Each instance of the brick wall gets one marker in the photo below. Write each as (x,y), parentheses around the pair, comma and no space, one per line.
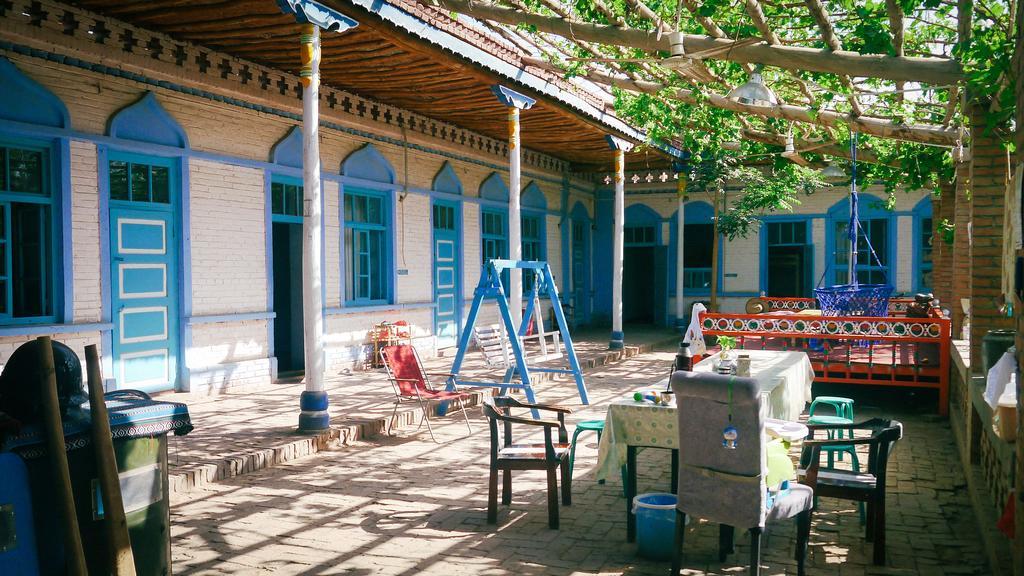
(961,279)
(942,253)
(988,192)
(85,233)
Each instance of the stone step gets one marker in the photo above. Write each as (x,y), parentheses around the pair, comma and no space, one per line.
(183,479)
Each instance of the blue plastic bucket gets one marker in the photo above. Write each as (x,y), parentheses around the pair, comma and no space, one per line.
(655,524)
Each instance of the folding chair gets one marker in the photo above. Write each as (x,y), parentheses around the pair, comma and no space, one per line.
(412,384)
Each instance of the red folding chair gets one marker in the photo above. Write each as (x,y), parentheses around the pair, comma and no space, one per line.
(412,383)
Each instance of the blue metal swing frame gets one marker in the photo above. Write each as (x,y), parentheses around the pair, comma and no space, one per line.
(490,287)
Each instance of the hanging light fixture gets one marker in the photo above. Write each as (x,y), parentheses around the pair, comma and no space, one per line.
(833,171)
(754,92)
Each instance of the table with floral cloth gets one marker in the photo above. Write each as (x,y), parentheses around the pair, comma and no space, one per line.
(785,379)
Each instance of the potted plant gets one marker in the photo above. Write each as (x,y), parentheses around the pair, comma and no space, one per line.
(726,358)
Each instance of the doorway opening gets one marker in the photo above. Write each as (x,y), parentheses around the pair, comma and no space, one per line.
(789,260)
(643,276)
(288,342)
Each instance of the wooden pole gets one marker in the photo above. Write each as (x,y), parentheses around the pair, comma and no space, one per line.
(680,268)
(56,453)
(714,255)
(313,401)
(515,102)
(619,147)
(938,71)
(119,545)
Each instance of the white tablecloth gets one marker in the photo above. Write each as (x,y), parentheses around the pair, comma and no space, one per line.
(785,379)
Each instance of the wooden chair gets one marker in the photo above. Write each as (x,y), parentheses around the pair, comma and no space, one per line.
(493,343)
(507,456)
(411,383)
(865,486)
(725,484)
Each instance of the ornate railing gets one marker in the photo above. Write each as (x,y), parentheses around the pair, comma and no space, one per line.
(890,351)
(897,306)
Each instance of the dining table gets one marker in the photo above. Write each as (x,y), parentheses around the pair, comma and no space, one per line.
(785,379)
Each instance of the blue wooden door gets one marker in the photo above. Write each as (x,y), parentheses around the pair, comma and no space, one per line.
(143,285)
(580,278)
(446,273)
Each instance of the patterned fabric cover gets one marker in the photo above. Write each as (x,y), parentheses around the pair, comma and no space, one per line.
(132,413)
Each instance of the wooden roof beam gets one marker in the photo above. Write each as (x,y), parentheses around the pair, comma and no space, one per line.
(830,148)
(828,34)
(895,13)
(646,12)
(757,16)
(928,70)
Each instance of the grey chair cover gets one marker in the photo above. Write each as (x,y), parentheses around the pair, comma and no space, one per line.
(716,483)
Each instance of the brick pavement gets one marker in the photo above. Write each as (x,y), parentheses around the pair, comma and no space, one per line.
(240,431)
(404,505)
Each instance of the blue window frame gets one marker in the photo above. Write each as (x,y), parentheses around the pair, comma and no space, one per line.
(639,235)
(924,255)
(367,248)
(286,199)
(29,228)
(532,244)
(869,271)
(494,234)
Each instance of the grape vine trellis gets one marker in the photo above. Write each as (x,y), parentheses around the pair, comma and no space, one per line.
(898,72)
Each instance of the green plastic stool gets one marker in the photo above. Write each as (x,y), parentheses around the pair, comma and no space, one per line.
(585,426)
(843,415)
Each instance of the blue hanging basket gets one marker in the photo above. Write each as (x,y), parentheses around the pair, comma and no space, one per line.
(854,299)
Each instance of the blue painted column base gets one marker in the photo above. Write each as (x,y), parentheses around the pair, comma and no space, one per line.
(682,325)
(618,341)
(314,416)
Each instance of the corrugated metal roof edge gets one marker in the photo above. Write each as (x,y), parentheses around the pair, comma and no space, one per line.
(459,47)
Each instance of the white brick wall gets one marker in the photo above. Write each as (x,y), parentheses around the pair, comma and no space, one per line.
(226,355)
(332,244)
(229,273)
(85,233)
(471,251)
(742,258)
(904,280)
(414,249)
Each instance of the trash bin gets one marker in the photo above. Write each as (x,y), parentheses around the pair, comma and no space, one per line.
(655,524)
(139,426)
(993,345)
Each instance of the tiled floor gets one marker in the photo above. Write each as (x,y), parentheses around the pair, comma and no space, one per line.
(404,505)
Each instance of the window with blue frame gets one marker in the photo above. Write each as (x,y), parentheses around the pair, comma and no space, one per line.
(869,270)
(697,242)
(639,235)
(924,256)
(366,248)
(285,198)
(139,182)
(532,244)
(28,251)
(494,235)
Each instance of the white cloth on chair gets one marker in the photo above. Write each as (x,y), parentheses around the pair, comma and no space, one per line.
(999,376)
(694,335)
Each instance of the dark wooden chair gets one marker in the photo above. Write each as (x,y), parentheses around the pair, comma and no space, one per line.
(865,486)
(507,456)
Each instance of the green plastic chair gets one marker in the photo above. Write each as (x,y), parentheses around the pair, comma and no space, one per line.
(843,415)
(843,408)
(585,426)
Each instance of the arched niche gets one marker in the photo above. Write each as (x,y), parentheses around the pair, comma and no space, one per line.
(368,163)
(579,211)
(639,214)
(447,181)
(494,188)
(533,198)
(147,121)
(288,150)
(22,99)
(697,213)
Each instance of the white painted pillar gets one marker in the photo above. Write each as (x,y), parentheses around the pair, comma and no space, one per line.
(620,147)
(515,232)
(515,102)
(313,401)
(680,269)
